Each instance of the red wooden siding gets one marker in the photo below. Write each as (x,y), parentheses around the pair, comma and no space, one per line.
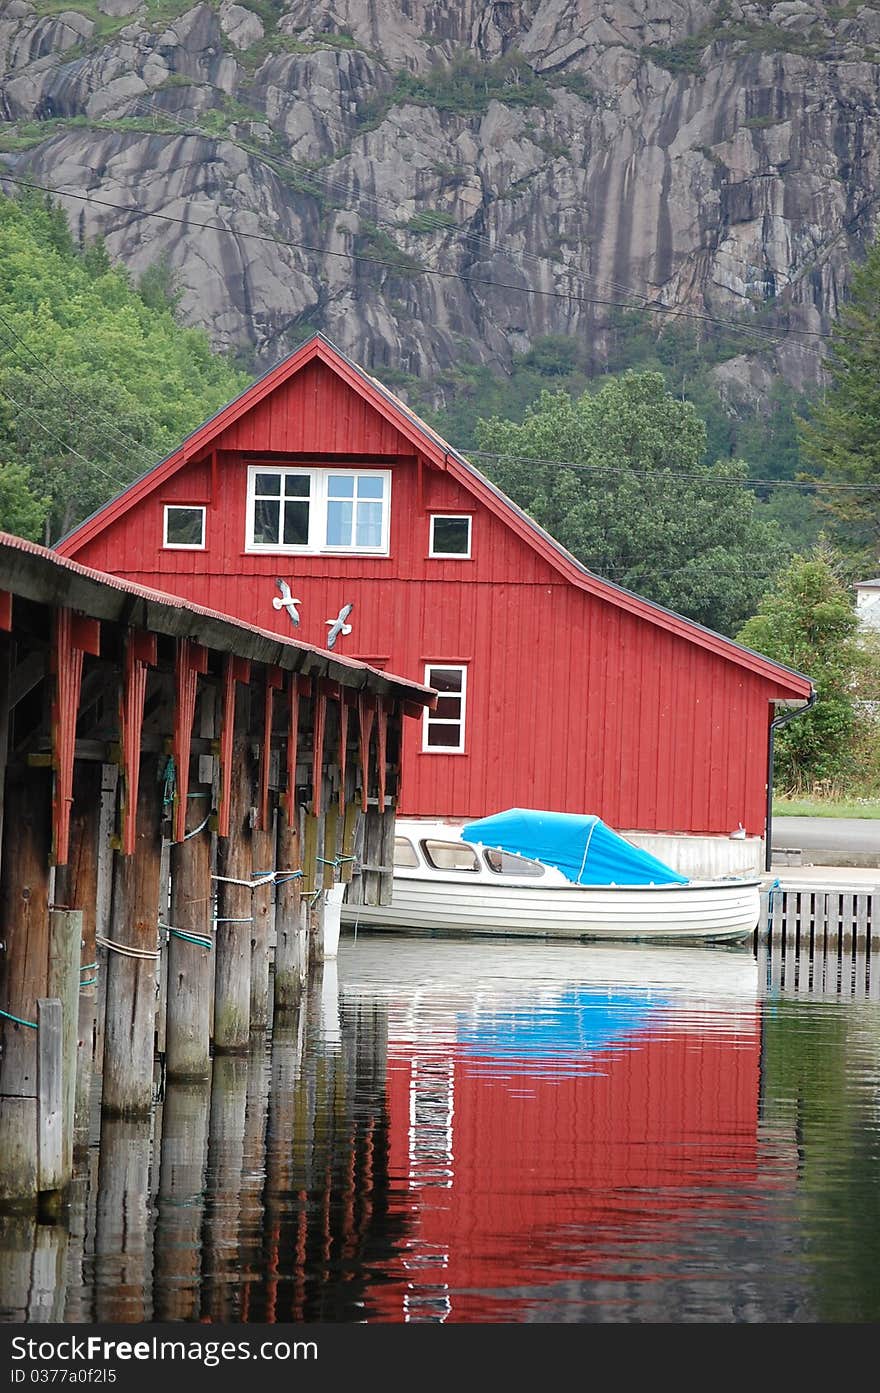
(576,701)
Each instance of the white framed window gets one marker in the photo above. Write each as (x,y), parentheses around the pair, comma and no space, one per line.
(184,526)
(314,510)
(450,535)
(443,729)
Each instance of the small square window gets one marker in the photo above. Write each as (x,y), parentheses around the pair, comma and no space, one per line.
(184,526)
(450,535)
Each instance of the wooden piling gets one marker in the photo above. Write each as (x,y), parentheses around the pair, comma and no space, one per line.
(82,895)
(131,968)
(24,933)
(290,937)
(50,1104)
(232,984)
(103,902)
(190,965)
(263,844)
(65,943)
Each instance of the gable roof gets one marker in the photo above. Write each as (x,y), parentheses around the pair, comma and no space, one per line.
(442,455)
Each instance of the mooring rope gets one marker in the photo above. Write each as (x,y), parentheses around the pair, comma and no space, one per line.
(126,951)
(18,1020)
(201,940)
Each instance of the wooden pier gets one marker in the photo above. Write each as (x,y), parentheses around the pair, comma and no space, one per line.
(821,941)
(178,793)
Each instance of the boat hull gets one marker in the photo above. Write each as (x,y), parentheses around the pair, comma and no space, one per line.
(722,911)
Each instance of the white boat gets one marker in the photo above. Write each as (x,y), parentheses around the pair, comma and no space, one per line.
(550,875)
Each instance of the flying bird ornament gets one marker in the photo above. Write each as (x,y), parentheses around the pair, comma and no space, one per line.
(287,601)
(338,625)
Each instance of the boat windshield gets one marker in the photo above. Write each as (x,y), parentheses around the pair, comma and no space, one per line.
(505,863)
(450,856)
(405,853)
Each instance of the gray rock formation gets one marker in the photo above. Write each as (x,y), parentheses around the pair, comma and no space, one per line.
(315,166)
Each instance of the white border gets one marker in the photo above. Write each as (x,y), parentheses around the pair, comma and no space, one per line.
(450,555)
(445,720)
(184,546)
(317,511)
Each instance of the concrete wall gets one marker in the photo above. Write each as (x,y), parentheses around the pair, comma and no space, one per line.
(703,858)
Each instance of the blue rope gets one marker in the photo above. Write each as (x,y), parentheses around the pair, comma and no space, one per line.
(18,1020)
(87,967)
(191,938)
(773,888)
(87,982)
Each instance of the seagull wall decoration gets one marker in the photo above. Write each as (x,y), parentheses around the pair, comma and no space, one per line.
(287,601)
(338,625)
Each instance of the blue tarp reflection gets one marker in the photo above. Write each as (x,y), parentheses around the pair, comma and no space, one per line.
(567,1031)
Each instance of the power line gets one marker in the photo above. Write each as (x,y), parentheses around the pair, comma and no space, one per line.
(58,439)
(336,188)
(415,268)
(109,432)
(627,472)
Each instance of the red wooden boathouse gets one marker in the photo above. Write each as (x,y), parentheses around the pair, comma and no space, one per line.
(558,689)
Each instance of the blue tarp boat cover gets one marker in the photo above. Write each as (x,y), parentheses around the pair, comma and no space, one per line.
(581,845)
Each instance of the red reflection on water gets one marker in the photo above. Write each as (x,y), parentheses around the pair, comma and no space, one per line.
(519,1179)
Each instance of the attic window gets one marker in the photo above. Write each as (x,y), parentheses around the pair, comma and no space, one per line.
(450,535)
(184,527)
(318,510)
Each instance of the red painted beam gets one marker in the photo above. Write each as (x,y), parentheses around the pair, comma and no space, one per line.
(192,659)
(6,610)
(72,636)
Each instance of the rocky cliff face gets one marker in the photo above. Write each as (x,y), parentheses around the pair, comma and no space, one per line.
(504,171)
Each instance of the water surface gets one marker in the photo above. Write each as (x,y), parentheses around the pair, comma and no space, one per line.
(495,1132)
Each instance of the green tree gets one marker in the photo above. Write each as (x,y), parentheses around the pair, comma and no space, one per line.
(97,381)
(21,511)
(841,437)
(616,477)
(808,621)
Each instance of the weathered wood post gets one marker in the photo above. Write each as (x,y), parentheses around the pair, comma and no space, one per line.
(83,895)
(290,936)
(232,980)
(263,843)
(191,938)
(131,967)
(133,940)
(106,838)
(180,1204)
(24,934)
(264,862)
(190,951)
(65,940)
(50,1103)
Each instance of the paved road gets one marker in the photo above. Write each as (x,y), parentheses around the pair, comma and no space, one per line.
(830,840)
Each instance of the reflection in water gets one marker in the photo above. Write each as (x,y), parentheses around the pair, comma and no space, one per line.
(504,1132)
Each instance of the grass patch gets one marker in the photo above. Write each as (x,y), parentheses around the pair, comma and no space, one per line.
(826,807)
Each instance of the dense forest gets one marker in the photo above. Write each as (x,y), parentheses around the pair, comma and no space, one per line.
(97,380)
